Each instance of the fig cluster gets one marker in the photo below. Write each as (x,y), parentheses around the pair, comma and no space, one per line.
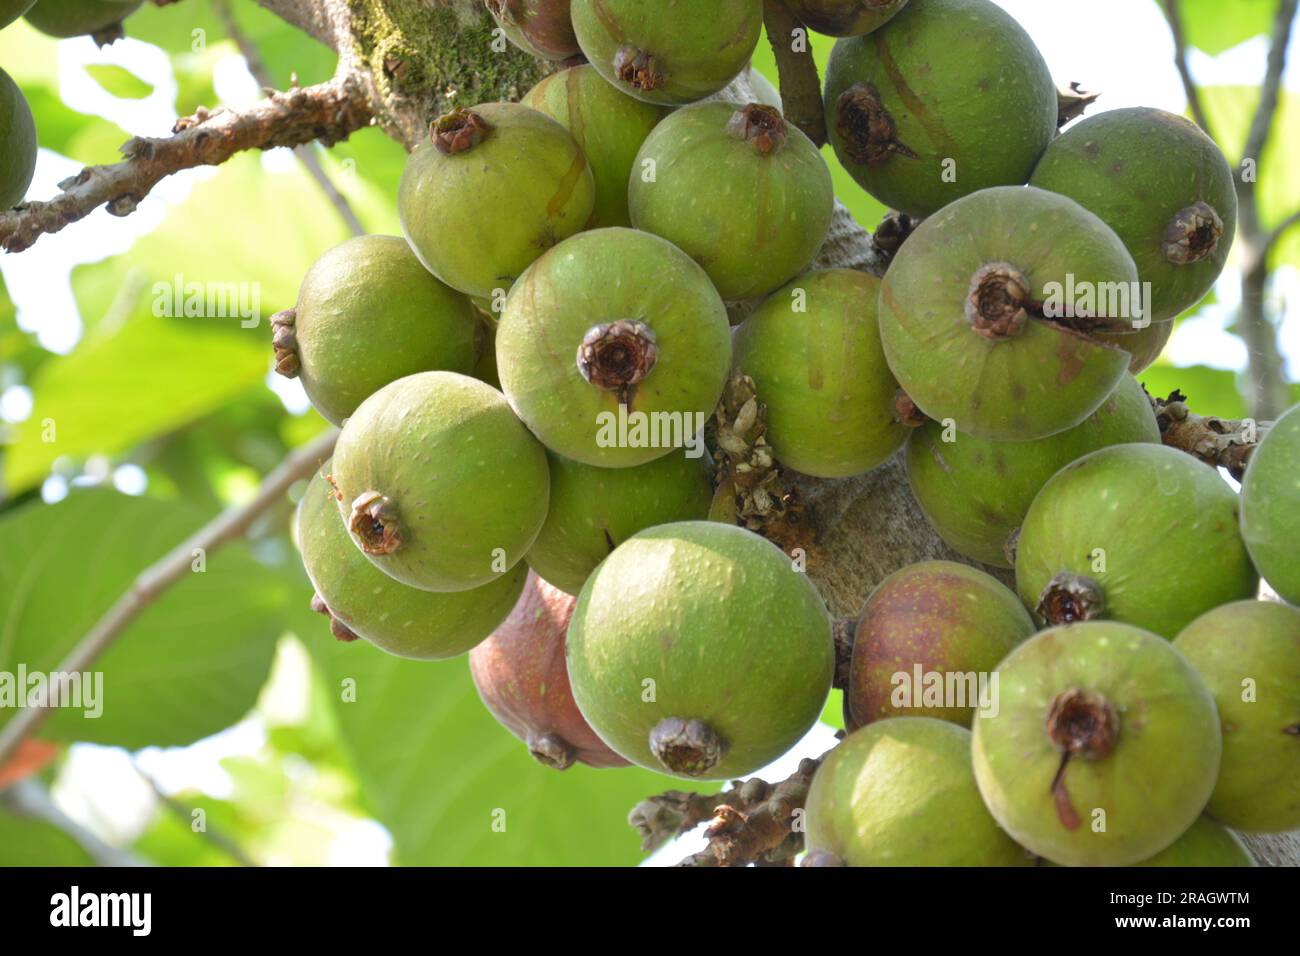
(543,402)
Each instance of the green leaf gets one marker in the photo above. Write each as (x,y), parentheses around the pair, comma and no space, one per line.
(86,139)
(26,842)
(1209,391)
(438,771)
(188,29)
(1215,26)
(28,55)
(119,81)
(190,665)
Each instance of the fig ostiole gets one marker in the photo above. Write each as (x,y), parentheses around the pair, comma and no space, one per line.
(607,124)
(363,602)
(988,313)
(813,351)
(947,98)
(1140,533)
(523,681)
(975,492)
(1270,506)
(1075,764)
(928,642)
(698,650)
(493,188)
(18,134)
(669,52)
(593,510)
(445,489)
(1248,654)
(1165,188)
(901,792)
(744,193)
(369,313)
(614,348)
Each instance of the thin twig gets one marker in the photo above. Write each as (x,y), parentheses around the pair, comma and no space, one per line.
(801,87)
(304,153)
(1175,17)
(31,799)
(186,815)
(169,569)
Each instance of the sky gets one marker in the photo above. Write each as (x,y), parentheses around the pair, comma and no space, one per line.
(100,787)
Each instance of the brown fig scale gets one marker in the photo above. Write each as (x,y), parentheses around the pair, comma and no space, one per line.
(761,125)
(1193,234)
(459,131)
(869,132)
(637,69)
(284,340)
(689,747)
(1070,598)
(999,297)
(616,356)
(374,521)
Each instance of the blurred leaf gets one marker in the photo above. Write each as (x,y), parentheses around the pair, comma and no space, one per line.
(1215,26)
(119,81)
(25,842)
(187,27)
(833,712)
(194,660)
(1209,391)
(285,50)
(28,55)
(171,840)
(87,139)
(366,170)
(437,770)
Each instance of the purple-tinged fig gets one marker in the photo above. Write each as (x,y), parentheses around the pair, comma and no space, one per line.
(540,27)
(844,18)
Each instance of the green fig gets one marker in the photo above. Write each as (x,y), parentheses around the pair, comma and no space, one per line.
(813,350)
(986,309)
(402,620)
(594,510)
(442,487)
(1248,653)
(367,314)
(522,679)
(491,190)
(927,641)
(901,792)
(1162,185)
(742,192)
(844,18)
(697,649)
(668,51)
(609,126)
(18,136)
(947,98)
(1144,534)
(1204,844)
(71,18)
(539,27)
(1270,507)
(11,10)
(1104,748)
(976,492)
(613,348)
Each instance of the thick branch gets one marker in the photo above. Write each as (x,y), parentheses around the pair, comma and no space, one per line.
(1175,17)
(328,112)
(1220,442)
(1261,126)
(801,87)
(165,572)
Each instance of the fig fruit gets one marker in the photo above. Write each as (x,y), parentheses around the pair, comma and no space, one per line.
(607,125)
(442,487)
(844,18)
(1270,506)
(594,510)
(1248,653)
(697,649)
(986,310)
(1204,844)
(491,190)
(11,10)
(71,18)
(613,348)
(901,792)
(976,492)
(367,314)
(668,51)
(1144,534)
(402,620)
(743,193)
(947,98)
(927,641)
(1105,746)
(522,679)
(813,350)
(18,134)
(539,27)
(1162,185)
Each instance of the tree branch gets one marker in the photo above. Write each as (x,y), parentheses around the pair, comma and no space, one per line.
(169,569)
(328,112)
(31,799)
(801,87)
(1175,17)
(1261,126)
(1219,442)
